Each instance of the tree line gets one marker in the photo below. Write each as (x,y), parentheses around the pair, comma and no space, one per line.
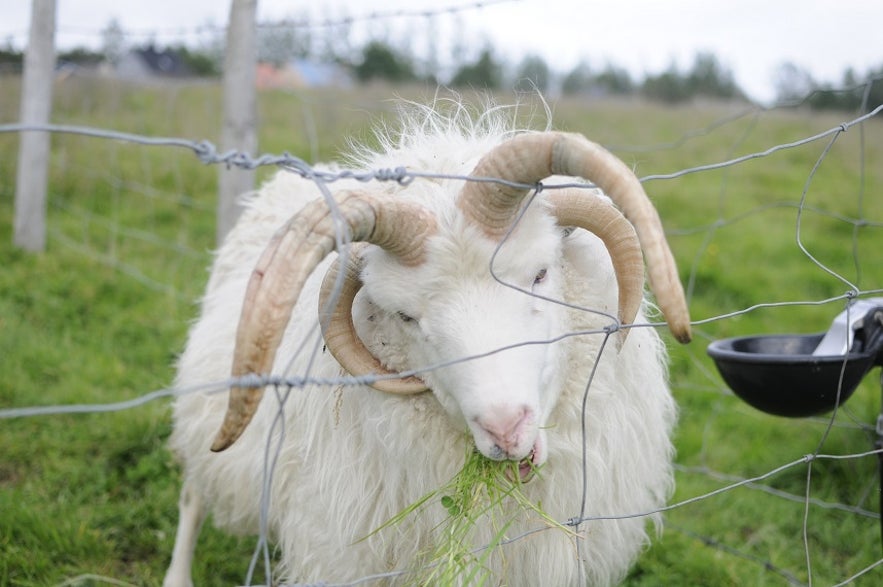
(381,60)
(706,78)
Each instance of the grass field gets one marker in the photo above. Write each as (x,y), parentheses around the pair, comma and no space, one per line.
(100,316)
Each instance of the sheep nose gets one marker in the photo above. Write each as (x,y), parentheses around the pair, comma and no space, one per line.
(505,425)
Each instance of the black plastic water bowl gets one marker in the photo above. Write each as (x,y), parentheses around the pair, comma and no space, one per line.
(778,374)
(799,375)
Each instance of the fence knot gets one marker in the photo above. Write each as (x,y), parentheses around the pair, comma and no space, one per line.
(206,152)
(399,175)
(252,380)
(295,164)
(237,159)
(612,328)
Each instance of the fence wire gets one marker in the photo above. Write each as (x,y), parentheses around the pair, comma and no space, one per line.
(206,153)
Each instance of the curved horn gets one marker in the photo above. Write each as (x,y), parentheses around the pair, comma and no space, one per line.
(283,268)
(529,158)
(340,332)
(588,210)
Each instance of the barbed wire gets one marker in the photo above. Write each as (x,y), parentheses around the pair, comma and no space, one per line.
(298,23)
(387,15)
(208,154)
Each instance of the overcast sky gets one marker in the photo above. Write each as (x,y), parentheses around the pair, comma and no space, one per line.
(750,37)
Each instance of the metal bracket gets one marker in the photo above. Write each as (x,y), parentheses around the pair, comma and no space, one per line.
(839,338)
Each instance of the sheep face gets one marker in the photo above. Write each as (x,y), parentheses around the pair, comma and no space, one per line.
(455,307)
(435,278)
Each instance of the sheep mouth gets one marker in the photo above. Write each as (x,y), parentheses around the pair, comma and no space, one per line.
(525,469)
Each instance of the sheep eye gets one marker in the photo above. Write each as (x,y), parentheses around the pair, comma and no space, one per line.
(404,317)
(541,275)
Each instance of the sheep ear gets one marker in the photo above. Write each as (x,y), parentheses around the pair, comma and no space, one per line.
(336,319)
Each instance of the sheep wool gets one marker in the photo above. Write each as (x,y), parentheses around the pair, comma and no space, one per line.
(593,412)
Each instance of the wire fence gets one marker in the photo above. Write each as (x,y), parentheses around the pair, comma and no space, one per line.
(179,33)
(860,216)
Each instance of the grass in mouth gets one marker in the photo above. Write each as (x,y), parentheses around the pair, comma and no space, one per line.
(482,492)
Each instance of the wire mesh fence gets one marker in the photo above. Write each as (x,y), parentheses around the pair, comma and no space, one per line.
(794,498)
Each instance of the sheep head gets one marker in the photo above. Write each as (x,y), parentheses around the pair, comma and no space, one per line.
(502,397)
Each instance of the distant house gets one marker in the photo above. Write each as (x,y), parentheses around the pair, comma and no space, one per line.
(315,74)
(302,73)
(150,63)
(271,77)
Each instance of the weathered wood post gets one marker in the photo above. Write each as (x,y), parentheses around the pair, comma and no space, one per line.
(31,183)
(240,109)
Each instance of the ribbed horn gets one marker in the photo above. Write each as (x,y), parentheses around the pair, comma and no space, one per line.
(588,210)
(291,256)
(529,158)
(339,331)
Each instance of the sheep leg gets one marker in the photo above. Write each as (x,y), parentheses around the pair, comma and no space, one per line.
(191,515)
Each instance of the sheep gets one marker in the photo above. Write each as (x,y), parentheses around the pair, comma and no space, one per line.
(439,269)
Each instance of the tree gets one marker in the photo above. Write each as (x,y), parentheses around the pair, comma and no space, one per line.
(670,87)
(197,62)
(853,93)
(80,56)
(11,59)
(113,41)
(707,78)
(795,84)
(578,80)
(380,61)
(874,77)
(614,81)
(533,72)
(710,79)
(280,42)
(792,83)
(485,73)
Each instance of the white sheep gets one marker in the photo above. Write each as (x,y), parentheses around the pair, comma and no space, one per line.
(422,296)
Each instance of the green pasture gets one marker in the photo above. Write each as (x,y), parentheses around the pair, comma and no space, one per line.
(90,499)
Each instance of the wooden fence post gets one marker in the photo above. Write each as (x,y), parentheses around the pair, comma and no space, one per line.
(240,110)
(31,183)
